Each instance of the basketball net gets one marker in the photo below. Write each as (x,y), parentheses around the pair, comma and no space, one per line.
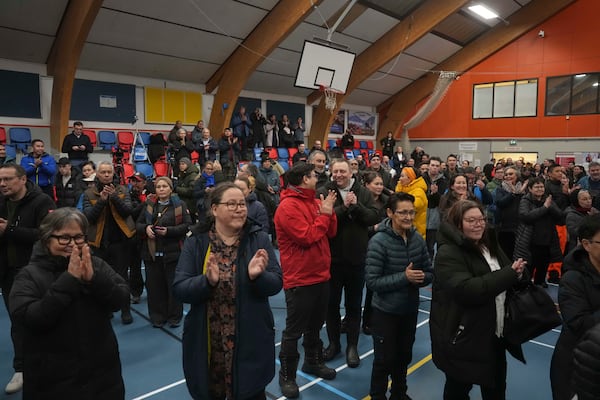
(330,97)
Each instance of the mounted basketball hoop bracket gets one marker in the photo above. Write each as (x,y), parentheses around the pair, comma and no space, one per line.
(325,68)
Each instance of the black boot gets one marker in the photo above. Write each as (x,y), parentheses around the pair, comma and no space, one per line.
(314,365)
(287,376)
(331,351)
(352,357)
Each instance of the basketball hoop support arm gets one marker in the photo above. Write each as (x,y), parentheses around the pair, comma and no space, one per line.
(331,30)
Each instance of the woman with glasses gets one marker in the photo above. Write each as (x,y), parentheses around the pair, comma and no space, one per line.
(472,275)
(163,224)
(537,239)
(227,271)
(397,265)
(64,299)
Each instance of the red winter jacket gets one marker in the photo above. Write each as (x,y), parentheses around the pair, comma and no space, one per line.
(303,235)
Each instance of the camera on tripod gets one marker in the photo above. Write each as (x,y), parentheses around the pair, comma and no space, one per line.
(118,154)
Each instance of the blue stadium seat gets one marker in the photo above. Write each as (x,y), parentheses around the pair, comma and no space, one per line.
(331,143)
(106,139)
(11,151)
(356,152)
(282,154)
(145,136)
(257,151)
(284,164)
(145,168)
(20,138)
(363,144)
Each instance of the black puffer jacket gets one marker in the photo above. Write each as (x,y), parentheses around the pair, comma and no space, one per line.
(579,301)
(71,349)
(463,308)
(68,194)
(586,372)
(349,246)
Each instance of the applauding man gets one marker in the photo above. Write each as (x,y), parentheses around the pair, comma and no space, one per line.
(304,225)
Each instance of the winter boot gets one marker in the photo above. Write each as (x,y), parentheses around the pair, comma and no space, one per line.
(287,376)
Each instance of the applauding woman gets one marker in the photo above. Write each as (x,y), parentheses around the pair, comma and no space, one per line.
(472,275)
(64,299)
(164,222)
(227,271)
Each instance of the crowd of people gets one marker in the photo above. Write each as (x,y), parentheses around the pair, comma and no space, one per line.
(73,240)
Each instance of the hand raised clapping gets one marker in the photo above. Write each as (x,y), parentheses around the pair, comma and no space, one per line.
(80,263)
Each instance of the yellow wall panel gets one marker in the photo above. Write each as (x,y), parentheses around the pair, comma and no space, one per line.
(153,102)
(193,108)
(174,101)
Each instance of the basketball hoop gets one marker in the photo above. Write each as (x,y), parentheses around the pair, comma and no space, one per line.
(330,97)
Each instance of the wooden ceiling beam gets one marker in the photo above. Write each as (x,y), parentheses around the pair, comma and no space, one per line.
(63,60)
(266,36)
(395,109)
(382,51)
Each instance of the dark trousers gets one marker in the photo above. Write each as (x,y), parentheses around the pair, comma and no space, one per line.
(351,280)
(367,310)
(16,330)
(258,396)
(540,258)
(136,280)
(393,339)
(306,310)
(431,239)
(457,390)
(117,255)
(162,306)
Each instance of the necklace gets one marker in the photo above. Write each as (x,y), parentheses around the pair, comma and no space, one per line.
(229,240)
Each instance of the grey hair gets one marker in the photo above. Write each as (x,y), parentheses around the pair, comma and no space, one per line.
(105,162)
(58,219)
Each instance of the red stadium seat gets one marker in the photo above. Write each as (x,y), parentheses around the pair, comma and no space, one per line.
(92,135)
(2,135)
(125,140)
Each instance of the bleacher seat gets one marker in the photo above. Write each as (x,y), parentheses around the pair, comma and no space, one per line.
(292,151)
(125,140)
(357,144)
(370,145)
(331,143)
(194,157)
(273,154)
(11,151)
(257,163)
(92,135)
(2,135)
(161,168)
(257,151)
(284,164)
(356,152)
(349,154)
(145,168)
(283,154)
(107,139)
(20,138)
(145,136)
(362,144)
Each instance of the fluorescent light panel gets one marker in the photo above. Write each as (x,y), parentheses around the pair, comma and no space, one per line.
(483,11)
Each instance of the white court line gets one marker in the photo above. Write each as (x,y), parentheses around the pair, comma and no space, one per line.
(162,389)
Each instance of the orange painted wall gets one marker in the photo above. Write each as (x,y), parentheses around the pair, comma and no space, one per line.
(570,47)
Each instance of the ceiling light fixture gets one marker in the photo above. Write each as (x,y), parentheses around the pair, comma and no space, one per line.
(483,11)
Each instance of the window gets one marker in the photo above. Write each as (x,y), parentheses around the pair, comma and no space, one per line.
(505,99)
(573,94)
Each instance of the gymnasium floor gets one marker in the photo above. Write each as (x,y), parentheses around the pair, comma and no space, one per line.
(151,360)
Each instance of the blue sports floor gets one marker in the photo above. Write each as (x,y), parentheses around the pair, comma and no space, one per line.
(151,360)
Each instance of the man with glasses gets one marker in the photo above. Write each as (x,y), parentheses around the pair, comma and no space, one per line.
(355,211)
(22,207)
(304,225)
(108,209)
(77,145)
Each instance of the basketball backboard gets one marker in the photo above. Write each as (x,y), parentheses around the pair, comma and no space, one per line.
(326,66)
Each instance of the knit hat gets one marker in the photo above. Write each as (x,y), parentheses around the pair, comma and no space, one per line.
(186,160)
(410,173)
(166,179)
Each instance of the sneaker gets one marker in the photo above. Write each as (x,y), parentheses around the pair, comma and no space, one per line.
(15,384)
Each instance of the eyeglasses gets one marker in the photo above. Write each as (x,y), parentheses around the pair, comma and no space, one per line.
(593,241)
(66,239)
(405,213)
(475,221)
(233,205)
(8,179)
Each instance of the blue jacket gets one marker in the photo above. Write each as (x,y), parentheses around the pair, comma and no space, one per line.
(254,348)
(388,255)
(42,175)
